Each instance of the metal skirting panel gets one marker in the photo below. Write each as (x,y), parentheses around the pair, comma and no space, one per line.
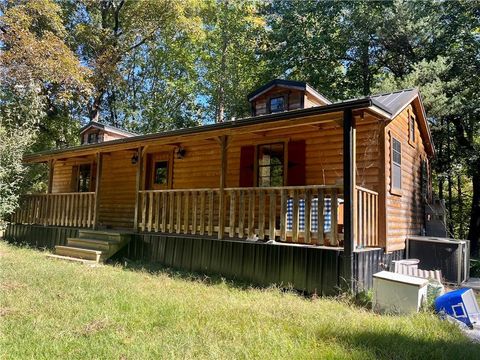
(310,269)
(368,262)
(39,236)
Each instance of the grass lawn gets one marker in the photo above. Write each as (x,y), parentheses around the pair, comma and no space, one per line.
(51,309)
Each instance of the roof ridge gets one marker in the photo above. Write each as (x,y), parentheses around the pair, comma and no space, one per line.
(394,92)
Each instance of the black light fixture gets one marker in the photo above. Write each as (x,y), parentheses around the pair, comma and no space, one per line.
(180,152)
(134,158)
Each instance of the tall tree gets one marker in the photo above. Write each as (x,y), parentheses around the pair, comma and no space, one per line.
(125,43)
(40,82)
(231,65)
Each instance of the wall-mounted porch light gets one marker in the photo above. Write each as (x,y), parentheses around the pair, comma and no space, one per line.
(134,158)
(180,152)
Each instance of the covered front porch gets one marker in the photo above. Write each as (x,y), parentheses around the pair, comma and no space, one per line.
(166,184)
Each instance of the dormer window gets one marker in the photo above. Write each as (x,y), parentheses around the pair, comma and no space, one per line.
(284,95)
(92,138)
(277,104)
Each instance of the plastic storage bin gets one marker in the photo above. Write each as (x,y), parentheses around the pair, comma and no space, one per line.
(459,304)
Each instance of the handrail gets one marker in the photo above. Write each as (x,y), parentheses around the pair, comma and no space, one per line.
(300,214)
(306,187)
(58,209)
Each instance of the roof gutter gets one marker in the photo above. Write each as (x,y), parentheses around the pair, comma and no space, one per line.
(262,119)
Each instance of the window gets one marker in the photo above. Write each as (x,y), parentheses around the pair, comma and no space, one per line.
(276,104)
(411,130)
(92,138)
(270,165)
(159,171)
(396,167)
(160,176)
(84,178)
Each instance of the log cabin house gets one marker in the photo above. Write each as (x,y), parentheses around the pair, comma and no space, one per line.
(304,192)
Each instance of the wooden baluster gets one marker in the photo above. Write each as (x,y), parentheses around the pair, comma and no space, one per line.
(71,213)
(283,215)
(359,218)
(83,205)
(241,214)
(272,212)
(202,212)
(376,220)
(61,207)
(65,208)
(91,201)
(143,206)
(251,214)
(365,218)
(171,212)
(233,202)
(334,220)
(164,211)
(30,209)
(321,217)
(53,207)
(194,212)
(210,212)
(186,213)
(76,209)
(157,212)
(179,212)
(372,221)
(150,211)
(295,219)
(261,214)
(308,214)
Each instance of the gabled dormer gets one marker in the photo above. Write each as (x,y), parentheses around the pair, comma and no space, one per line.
(95,132)
(284,95)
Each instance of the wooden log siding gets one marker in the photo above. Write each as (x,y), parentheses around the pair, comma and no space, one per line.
(366,217)
(248,213)
(59,209)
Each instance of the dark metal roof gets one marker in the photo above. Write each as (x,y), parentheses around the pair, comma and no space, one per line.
(390,103)
(107,128)
(301,85)
(395,102)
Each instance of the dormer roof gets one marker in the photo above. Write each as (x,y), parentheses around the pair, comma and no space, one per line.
(105,127)
(288,84)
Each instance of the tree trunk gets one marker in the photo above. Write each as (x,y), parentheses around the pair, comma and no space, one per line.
(474,231)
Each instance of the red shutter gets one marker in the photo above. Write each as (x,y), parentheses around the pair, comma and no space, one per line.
(296,163)
(247,154)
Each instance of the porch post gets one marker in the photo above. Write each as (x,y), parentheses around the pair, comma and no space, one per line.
(50,176)
(349,162)
(137,186)
(223,175)
(97,189)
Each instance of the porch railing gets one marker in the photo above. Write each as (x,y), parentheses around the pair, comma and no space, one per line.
(366,217)
(58,209)
(306,214)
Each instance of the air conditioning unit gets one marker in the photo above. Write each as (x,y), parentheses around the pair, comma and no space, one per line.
(451,256)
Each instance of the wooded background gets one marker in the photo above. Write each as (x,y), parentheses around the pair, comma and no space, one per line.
(154,65)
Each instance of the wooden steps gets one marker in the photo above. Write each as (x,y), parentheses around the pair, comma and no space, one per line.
(91,245)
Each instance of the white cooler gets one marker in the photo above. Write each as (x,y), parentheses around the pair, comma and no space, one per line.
(398,293)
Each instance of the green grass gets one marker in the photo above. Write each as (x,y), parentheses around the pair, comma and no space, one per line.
(51,309)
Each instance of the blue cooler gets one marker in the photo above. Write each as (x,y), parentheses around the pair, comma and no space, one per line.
(459,304)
